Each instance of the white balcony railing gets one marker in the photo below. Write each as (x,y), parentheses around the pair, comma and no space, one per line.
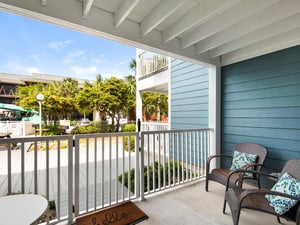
(152,63)
(154,126)
(90,171)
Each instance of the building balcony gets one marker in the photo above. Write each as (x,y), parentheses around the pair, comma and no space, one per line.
(153,72)
(152,64)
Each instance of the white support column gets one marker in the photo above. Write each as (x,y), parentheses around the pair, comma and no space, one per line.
(214,111)
(169,92)
(139,102)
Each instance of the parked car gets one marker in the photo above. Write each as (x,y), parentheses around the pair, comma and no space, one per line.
(84,121)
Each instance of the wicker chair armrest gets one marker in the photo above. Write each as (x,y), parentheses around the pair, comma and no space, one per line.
(248,192)
(251,165)
(241,173)
(210,158)
(231,173)
(256,172)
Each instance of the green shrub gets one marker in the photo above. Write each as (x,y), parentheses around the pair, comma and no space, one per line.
(132,143)
(108,128)
(92,127)
(87,129)
(174,167)
(53,130)
(129,128)
(73,122)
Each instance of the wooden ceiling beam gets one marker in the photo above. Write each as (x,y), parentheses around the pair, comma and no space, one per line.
(159,14)
(230,17)
(87,5)
(124,10)
(196,17)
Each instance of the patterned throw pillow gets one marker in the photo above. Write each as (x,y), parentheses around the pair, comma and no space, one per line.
(288,185)
(241,159)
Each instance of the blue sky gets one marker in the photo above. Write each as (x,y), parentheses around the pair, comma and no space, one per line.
(28,46)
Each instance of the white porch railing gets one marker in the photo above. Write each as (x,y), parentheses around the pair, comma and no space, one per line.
(40,165)
(99,161)
(154,126)
(93,173)
(181,155)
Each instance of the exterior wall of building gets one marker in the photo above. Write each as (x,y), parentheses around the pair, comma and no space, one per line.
(7,93)
(9,83)
(189,95)
(261,104)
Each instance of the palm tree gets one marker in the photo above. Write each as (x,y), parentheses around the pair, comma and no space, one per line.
(131,102)
(131,82)
(132,66)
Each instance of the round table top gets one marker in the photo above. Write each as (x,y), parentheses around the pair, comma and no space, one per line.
(22,208)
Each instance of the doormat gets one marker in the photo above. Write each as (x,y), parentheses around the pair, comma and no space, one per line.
(126,213)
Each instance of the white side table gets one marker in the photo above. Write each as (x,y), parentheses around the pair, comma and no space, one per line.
(22,208)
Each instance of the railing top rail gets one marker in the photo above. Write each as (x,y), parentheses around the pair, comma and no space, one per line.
(34,138)
(176,131)
(155,122)
(120,134)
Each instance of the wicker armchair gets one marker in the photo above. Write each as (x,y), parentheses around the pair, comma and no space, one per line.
(255,199)
(220,174)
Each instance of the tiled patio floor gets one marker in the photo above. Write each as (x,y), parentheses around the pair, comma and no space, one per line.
(191,205)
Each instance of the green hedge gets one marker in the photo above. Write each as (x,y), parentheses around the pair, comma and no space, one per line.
(129,128)
(132,143)
(53,130)
(174,165)
(92,127)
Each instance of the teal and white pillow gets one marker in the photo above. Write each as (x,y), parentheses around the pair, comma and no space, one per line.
(288,185)
(241,159)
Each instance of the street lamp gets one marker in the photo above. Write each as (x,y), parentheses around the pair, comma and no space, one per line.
(40,98)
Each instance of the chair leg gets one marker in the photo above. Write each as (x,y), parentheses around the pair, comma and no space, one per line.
(258,183)
(278,219)
(206,185)
(236,217)
(224,207)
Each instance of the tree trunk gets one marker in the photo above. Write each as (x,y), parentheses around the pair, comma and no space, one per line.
(157,113)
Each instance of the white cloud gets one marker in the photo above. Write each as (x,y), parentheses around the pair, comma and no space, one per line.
(99,60)
(111,74)
(59,44)
(115,73)
(35,58)
(82,72)
(125,62)
(21,69)
(72,56)
(33,70)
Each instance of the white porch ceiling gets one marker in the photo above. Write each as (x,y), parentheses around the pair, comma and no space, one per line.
(219,32)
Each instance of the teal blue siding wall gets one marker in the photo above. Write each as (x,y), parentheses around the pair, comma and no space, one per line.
(261,104)
(189,95)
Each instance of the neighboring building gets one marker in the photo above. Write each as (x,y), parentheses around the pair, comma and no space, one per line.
(9,83)
(152,75)
(185,83)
